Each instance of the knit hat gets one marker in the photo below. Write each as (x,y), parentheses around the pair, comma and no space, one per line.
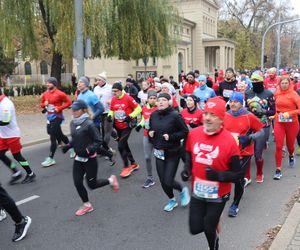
(272,70)
(84,80)
(190,73)
(52,80)
(129,80)
(102,76)
(217,106)
(79,104)
(117,85)
(220,72)
(164,95)
(158,84)
(152,93)
(237,96)
(195,98)
(202,78)
(230,70)
(156,79)
(257,78)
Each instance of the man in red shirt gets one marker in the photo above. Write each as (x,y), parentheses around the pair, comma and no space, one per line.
(189,87)
(124,110)
(53,102)
(212,158)
(272,80)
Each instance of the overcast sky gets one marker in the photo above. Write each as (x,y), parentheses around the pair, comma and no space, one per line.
(296,5)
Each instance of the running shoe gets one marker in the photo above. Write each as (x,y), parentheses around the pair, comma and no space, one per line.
(171,205)
(233,211)
(135,166)
(185,197)
(298,151)
(292,160)
(29,178)
(126,171)
(260,178)
(114,183)
(72,153)
(2,215)
(21,229)
(148,183)
(277,174)
(15,177)
(247,182)
(48,162)
(84,210)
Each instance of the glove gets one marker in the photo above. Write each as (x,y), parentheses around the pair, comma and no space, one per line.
(138,128)
(44,111)
(211,174)
(244,140)
(109,118)
(185,175)
(65,148)
(127,119)
(193,125)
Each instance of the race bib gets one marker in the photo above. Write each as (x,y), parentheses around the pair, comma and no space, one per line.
(282,119)
(120,115)
(227,93)
(206,189)
(50,108)
(146,124)
(160,154)
(81,159)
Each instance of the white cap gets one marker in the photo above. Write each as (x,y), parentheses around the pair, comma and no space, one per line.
(102,76)
(156,79)
(297,75)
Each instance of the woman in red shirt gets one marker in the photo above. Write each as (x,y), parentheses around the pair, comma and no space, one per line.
(287,103)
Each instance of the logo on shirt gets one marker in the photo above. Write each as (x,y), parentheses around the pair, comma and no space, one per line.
(207,157)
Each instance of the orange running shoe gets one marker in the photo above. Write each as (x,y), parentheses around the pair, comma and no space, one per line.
(126,171)
(135,166)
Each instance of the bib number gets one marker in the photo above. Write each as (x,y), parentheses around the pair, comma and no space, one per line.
(159,154)
(147,125)
(120,115)
(227,93)
(50,108)
(206,189)
(81,159)
(282,119)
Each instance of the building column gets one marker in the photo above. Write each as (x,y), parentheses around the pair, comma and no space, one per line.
(222,58)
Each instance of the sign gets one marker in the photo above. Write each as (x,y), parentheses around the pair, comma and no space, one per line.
(140,75)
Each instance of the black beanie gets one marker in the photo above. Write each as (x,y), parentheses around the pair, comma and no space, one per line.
(152,93)
(191,73)
(164,95)
(52,80)
(117,85)
(230,70)
(195,98)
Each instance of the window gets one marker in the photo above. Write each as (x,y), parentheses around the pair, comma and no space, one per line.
(153,61)
(44,68)
(27,68)
(137,63)
(188,31)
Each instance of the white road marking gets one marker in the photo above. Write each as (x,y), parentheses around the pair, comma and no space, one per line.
(33,197)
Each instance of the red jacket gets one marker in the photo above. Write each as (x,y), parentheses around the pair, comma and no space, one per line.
(57,98)
(189,88)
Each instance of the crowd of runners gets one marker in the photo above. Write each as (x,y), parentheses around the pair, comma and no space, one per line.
(214,125)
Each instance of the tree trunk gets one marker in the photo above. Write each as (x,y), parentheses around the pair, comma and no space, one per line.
(56,66)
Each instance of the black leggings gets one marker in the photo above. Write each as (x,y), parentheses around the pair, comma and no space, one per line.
(166,170)
(90,168)
(18,157)
(123,146)
(9,205)
(204,217)
(239,185)
(56,135)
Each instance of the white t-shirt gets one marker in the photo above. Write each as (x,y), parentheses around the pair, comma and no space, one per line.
(143,97)
(8,112)
(104,95)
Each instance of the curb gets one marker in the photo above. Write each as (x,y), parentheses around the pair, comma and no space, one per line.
(289,235)
(43,140)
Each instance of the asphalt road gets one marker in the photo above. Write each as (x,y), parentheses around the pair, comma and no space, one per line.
(133,218)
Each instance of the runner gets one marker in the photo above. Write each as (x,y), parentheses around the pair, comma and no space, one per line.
(165,88)
(261,103)
(212,160)
(166,129)
(22,222)
(192,115)
(10,140)
(142,95)
(286,125)
(227,87)
(147,110)
(86,140)
(203,92)
(124,109)
(244,127)
(272,80)
(53,102)
(188,88)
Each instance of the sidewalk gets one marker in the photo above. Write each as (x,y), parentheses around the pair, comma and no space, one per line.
(33,127)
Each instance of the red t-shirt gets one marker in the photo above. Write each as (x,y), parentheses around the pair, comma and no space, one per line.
(271,83)
(189,88)
(146,112)
(122,107)
(240,125)
(56,99)
(174,102)
(195,117)
(213,151)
